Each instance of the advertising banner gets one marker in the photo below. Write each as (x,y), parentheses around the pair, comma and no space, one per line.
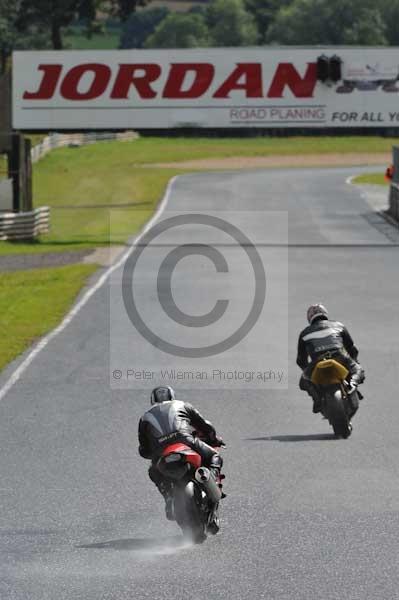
(268,87)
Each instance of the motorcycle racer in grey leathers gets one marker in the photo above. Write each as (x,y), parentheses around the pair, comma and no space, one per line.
(326,338)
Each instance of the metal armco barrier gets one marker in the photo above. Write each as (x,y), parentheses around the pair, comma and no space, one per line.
(393,209)
(24,226)
(29,224)
(6,195)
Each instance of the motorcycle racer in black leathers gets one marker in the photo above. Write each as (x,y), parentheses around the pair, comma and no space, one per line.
(169,421)
(326,338)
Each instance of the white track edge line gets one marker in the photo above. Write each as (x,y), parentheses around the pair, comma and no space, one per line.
(16,375)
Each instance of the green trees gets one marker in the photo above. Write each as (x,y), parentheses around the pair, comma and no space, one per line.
(51,16)
(219,23)
(389,10)
(295,22)
(230,24)
(27,24)
(121,8)
(263,13)
(140,26)
(11,36)
(328,22)
(180,30)
(7,30)
(41,23)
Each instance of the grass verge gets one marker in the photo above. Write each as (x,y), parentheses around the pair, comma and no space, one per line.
(3,166)
(101,193)
(97,193)
(372,178)
(155,150)
(34,302)
(41,245)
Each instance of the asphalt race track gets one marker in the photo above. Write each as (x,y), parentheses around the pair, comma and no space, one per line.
(307,517)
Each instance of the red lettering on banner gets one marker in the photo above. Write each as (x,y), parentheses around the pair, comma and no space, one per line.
(203,75)
(51,75)
(127,76)
(69,87)
(199,77)
(287,75)
(252,84)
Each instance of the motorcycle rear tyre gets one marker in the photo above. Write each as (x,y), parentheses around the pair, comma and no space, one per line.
(337,414)
(188,514)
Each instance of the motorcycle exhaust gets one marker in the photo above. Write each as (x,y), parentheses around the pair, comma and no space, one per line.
(207,480)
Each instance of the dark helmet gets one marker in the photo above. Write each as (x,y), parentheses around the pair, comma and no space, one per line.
(162,393)
(315,311)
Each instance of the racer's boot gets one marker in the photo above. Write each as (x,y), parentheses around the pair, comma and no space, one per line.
(355,380)
(166,491)
(215,467)
(316,400)
(307,386)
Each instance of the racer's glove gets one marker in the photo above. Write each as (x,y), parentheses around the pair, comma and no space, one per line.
(218,441)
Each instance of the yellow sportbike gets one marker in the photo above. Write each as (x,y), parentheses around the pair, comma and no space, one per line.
(329,376)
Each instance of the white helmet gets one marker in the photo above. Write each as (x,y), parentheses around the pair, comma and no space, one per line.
(162,394)
(316,310)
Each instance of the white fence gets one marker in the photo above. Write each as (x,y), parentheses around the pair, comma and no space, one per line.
(57,140)
(27,225)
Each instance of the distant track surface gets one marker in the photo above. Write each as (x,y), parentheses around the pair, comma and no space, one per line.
(306,517)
